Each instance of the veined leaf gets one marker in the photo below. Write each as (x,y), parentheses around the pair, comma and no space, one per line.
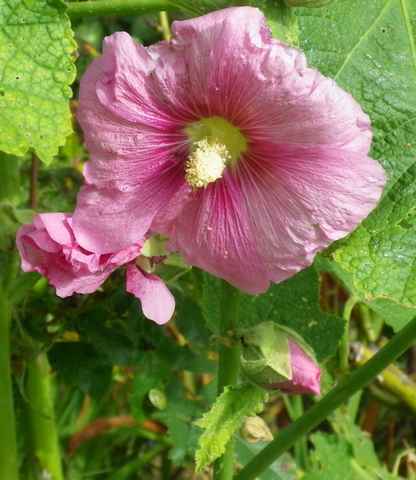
(370,50)
(36,69)
(224,419)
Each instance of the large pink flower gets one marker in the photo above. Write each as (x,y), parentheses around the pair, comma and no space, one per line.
(226,141)
(49,246)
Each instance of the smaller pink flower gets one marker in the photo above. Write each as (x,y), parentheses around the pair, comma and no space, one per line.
(306,374)
(49,246)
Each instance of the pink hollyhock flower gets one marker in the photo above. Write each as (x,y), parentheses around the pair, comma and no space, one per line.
(226,141)
(49,247)
(306,374)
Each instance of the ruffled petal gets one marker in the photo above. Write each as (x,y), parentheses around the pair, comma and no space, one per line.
(56,224)
(158,304)
(68,282)
(235,69)
(109,220)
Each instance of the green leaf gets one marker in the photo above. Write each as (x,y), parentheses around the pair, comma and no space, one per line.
(331,459)
(295,304)
(374,57)
(381,254)
(36,59)
(345,458)
(224,419)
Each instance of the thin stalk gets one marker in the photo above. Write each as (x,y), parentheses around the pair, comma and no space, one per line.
(393,379)
(34,171)
(294,407)
(228,370)
(164,25)
(8,449)
(41,415)
(320,411)
(344,349)
(115,7)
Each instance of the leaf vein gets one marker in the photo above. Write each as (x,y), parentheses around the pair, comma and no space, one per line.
(406,16)
(363,37)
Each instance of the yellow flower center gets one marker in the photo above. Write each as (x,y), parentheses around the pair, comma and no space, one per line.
(215,145)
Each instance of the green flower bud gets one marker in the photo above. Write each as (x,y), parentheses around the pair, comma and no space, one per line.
(255,430)
(157,398)
(274,357)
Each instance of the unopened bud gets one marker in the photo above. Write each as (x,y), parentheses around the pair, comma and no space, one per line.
(275,358)
(255,430)
(157,398)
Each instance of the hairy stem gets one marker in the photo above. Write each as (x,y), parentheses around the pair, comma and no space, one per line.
(320,411)
(228,370)
(8,449)
(41,416)
(116,7)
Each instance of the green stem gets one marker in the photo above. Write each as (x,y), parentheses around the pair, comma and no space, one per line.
(320,411)
(344,349)
(44,434)
(8,449)
(115,7)
(294,407)
(228,370)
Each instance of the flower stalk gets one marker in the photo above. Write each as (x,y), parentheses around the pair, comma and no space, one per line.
(228,371)
(320,411)
(8,449)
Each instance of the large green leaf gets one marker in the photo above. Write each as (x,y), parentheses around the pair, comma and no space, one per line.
(36,69)
(370,50)
(381,254)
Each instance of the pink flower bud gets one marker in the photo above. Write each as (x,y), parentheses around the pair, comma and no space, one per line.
(275,357)
(306,374)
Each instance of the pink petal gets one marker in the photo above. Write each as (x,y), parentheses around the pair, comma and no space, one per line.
(67,283)
(108,220)
(213,232)
(305,198)
(158,304)
(56,224)
(306,374)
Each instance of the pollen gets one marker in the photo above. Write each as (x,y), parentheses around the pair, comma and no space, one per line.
(206,163)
